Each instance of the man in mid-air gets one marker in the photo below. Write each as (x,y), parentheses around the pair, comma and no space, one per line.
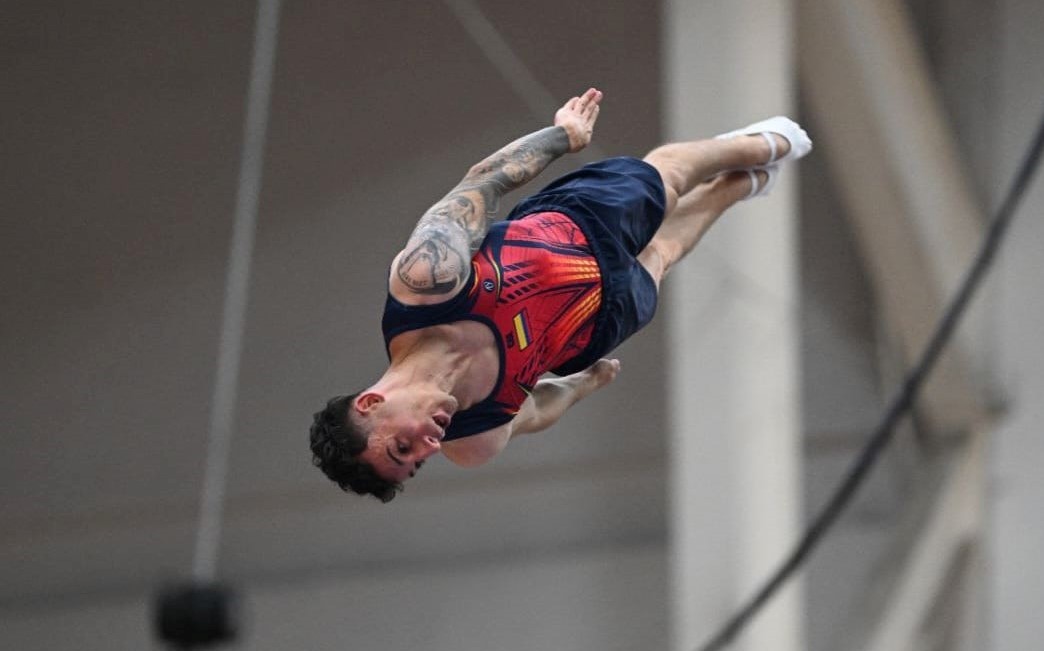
(477,310)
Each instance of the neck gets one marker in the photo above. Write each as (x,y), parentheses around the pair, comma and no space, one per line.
(461,359)
(427,362)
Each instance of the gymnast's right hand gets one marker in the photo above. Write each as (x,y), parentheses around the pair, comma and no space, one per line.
(578,116)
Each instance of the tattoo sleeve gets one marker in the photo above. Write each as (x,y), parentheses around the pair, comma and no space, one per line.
(437,257)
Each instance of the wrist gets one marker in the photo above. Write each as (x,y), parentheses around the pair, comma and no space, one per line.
(572,141)
(562,140)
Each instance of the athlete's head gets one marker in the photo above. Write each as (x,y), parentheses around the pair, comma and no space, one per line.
(337,442)
(375,440)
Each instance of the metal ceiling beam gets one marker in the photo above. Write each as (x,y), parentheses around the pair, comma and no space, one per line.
(883,130)
(920,583)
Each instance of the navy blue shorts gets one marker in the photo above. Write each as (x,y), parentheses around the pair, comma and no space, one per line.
(619,204)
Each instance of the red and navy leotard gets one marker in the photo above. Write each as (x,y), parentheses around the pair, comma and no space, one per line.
(536,283)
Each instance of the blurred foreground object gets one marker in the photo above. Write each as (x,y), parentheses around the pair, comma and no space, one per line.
(191,615)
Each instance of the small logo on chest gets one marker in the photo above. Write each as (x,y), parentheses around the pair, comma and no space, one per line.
(521,323)
(488,285)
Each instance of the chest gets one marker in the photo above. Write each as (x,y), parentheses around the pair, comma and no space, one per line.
(535,286)
(472,346)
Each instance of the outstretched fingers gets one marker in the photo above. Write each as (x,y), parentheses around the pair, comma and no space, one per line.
(578,116)
(589,100)
(589,105)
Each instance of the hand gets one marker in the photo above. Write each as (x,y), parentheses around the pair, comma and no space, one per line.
(578,116)
(603,372)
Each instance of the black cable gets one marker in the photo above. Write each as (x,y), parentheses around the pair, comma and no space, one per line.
(900,404)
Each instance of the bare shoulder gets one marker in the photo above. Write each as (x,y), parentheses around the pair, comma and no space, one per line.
(436,261)
(477,449)
(433,266)
(427,273)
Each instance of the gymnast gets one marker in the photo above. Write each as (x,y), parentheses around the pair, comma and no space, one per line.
(479,310)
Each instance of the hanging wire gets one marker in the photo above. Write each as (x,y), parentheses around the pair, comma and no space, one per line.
(237,284)
(899,405)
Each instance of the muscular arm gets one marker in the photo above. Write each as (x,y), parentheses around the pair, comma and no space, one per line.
(552,398)
(437,257)
(549,401)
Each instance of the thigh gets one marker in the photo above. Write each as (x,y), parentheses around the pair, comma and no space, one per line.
(623,198)
(654,262)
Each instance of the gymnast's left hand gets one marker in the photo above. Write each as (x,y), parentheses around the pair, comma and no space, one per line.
(602,372)
(578,117)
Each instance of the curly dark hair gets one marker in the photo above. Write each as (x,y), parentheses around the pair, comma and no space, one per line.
(336,442)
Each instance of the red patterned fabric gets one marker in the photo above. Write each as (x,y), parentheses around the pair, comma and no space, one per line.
(547,291)
(537,285)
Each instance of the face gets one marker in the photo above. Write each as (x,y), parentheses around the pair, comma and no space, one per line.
(407,427)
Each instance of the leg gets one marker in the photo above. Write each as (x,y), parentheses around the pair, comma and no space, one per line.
(694,213)
(684,165)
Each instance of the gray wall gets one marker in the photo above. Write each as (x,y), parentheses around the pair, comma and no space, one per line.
(120,131)
(1016,574)
(568,601)
(121,128)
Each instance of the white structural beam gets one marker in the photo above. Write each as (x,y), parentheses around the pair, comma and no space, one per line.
(954,523)
(734,397)
(883,130)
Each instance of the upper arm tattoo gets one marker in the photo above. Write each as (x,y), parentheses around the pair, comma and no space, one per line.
(437,257)
(432,267)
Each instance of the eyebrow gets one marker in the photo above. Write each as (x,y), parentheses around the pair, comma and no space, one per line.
(393,458)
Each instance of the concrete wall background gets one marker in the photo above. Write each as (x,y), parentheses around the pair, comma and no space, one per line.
(564,601)
(121,128)
(120,131)
(1016,575)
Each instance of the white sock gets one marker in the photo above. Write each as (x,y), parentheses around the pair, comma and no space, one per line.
(800,143)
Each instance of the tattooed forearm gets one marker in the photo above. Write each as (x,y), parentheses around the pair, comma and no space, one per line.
(436,259)
(518,163)
(509,169)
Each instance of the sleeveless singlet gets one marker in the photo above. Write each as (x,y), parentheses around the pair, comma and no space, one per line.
(536,284)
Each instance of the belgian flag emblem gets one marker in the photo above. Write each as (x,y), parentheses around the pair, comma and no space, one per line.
(521,322)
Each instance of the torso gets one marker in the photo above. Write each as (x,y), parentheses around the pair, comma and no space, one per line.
(474,342)
(529,306)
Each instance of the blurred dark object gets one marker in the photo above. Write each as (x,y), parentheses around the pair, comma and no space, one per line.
(191,615)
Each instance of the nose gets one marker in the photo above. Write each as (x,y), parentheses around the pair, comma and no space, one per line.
(432,444)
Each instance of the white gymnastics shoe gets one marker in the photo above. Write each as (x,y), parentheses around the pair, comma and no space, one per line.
(757,189)
(800,143)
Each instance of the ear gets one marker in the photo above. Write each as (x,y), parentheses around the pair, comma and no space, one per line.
(367,401)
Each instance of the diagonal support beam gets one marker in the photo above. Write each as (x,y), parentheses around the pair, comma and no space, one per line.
(955,522)
(884,132)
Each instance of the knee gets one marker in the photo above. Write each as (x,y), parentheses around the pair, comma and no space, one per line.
(674,163)
(663,159)
(657,260)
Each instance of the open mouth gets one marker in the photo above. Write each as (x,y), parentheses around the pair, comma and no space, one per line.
(442,420)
